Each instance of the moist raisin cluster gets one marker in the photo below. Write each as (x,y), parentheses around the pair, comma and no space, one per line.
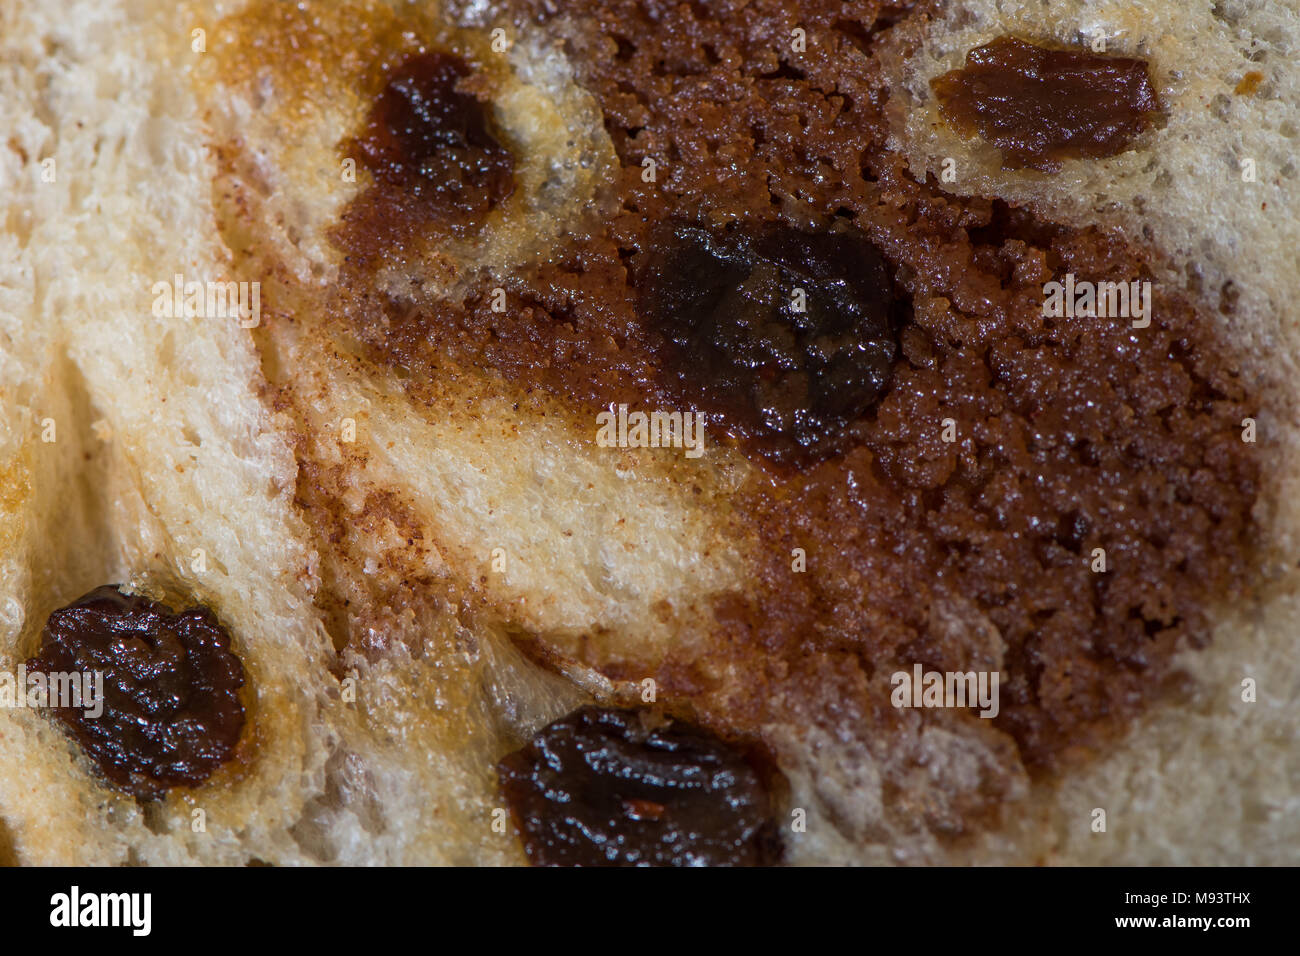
(171,709)
(606,787)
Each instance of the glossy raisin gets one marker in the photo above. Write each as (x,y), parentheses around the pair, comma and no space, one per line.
(434,157)
(171,710)
(608,787)
(1041,105)
(786,336)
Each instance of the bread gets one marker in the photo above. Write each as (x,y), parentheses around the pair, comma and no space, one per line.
(1187,195)
(421,565)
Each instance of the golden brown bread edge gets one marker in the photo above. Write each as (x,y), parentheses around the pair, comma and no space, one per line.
(333,780)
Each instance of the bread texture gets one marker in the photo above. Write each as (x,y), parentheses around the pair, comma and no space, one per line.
(416,586)
(1215,189)
(162,446)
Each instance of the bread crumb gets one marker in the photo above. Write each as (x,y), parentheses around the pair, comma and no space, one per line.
(1249,83)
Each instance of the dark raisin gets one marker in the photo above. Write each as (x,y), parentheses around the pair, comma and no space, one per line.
(433,156)
(171,711)
(1041,105)
(786,336)
(605,787)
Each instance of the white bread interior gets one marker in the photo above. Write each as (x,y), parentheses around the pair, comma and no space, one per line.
(167,442)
